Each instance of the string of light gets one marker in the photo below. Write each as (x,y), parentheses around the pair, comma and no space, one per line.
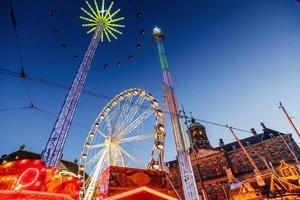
(23,75)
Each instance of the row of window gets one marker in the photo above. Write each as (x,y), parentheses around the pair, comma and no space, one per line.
(211,168)
(273,153)
(215,192)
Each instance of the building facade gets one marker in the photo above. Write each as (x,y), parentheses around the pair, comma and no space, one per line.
(210,163)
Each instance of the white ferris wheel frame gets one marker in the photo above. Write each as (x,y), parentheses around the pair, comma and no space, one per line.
(112,153)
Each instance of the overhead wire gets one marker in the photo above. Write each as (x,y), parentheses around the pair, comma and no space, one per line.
(13,109)
(220,125)
(52,83)
(98,95)
(14,22)
(55,116)
(34,107)
(23,74)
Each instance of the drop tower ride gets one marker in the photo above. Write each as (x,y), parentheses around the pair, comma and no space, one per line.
(185,166)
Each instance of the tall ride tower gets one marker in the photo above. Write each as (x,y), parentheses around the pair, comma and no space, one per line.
(101,22)
(185,166)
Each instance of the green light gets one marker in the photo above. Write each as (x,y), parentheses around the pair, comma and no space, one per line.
(103,18)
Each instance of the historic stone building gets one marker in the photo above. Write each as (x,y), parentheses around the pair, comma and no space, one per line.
(210,163)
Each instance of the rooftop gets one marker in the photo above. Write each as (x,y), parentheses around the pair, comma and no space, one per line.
(24,154)
(255,139)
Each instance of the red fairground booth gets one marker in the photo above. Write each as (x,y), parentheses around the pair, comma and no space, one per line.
(31,179)
(125,183)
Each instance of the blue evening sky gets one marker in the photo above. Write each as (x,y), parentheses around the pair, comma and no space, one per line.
(232,61)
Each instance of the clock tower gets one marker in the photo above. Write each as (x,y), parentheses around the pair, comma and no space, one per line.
(197,135)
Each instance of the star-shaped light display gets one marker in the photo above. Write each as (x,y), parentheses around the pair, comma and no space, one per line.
(103,18)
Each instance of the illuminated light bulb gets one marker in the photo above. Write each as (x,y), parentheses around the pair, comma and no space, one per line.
(92,134)
(23,161)
(87,145)
(102,116)
(83,156)
(135,92)
(154,103)
(155,165)
(143,93)
(156,30)
(161,127)
(159,113)
(159,145)
(260,181)
(36,162)
(121,97)
(150,96)
(107,109)
(81,168)
(96,125)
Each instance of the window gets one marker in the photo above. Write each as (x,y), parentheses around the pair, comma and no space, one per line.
(231,161)
(285,155)
(238,158)
(278,146)
(253,154)
(259,164)
(261,153)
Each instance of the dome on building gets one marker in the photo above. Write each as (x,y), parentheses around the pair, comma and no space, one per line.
(195,124)
(198,137)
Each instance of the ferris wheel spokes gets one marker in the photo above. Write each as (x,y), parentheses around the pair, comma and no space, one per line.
(96,157)
(116,133)
(101,145)
(134,124)
(133,158)
(108,125)
(134,109)
(125,107)
(94,177)
(136,138)
(102,134)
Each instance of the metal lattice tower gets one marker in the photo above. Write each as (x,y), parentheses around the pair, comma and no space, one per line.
(185,166)
(101,23)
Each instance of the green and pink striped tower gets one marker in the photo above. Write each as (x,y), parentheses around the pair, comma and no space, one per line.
(185,166)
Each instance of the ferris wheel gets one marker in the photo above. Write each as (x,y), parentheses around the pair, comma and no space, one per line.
(129,131)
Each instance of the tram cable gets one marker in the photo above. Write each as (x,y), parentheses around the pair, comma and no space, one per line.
(220,125)
(95,94)
(55,116)
(22,73)
(13,109)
